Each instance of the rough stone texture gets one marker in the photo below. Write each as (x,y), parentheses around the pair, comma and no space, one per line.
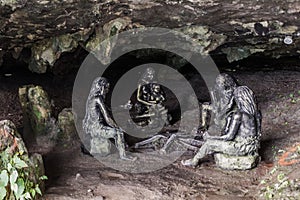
(237,28)
(66,125)
(36,108)
(10,138)
(225,161)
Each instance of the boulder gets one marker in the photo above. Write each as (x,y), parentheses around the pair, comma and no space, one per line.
(67,129)
(36,109)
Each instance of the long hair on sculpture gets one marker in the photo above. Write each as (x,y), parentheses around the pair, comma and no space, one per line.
(226,81)
(100,86)
(245,100)
(223,92)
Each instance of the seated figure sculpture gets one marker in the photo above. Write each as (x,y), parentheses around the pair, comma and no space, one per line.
(240,139)
(150,98)
(99,125)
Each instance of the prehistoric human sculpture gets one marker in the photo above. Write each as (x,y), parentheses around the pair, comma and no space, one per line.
(241,134)
(99,125)
(150,97)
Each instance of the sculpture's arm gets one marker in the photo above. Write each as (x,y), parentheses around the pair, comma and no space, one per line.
(259,118)
(159,99)
(162,96)
(108,119)
(231,128)
(206,108)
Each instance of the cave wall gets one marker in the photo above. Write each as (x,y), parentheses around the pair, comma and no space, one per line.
(235,28)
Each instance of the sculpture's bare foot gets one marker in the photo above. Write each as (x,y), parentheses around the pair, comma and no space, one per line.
(189,163)
(128,158)
(162,151)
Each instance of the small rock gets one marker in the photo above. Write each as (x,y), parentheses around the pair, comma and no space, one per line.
(10,138)
(114,175)
(288,40)
(66,125)
(89,190)
(78,176)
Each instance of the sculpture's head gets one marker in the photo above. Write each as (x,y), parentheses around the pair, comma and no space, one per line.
(245,100)
(101,85)
(148,75)
(156,88)
(223,91)
(225,84)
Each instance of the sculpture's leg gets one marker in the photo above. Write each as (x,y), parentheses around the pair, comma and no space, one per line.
(100,146)
(212,146)
(107,132)
(208,147)
(188,146)
(168,143)
(149,141)
(193,142)
(183,140)
(200,154)
(145,115)
(120,144)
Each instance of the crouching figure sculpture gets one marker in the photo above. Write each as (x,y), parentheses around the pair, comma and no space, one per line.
(237,147)
(99,125)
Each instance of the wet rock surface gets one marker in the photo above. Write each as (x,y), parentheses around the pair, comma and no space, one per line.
(236,29)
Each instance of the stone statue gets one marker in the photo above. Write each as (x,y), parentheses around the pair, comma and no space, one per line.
(99,125)
(150,97)
(237,147)
(143,93)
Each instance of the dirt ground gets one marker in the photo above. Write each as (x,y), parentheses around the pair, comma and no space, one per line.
(73,175)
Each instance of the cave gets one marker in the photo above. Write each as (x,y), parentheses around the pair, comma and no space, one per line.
(258,47)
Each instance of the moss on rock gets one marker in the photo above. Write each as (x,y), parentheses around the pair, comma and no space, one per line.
(37,108)
(66,125)
(100,45)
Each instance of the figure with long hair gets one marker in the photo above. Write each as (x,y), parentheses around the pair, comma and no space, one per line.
(241,134)
(222,103)
(99,125)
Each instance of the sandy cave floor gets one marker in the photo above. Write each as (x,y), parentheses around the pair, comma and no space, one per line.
(73,175)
